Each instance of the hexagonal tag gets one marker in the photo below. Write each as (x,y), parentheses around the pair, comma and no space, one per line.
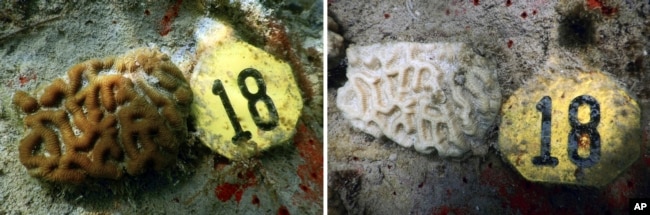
(246,100)
(582,129)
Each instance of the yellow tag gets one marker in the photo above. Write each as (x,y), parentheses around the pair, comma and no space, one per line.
(245,100)
(582,130)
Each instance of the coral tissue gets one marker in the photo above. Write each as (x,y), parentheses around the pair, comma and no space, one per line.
(437,97)
(106,117)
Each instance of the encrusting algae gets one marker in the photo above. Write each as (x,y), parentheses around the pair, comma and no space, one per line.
(108,115)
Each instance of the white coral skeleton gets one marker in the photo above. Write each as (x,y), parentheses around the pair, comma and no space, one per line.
(434,97)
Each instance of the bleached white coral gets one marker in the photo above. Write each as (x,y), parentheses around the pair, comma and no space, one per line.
(436,97)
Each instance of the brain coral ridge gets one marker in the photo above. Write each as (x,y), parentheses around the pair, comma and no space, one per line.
(435,97)
(105,117)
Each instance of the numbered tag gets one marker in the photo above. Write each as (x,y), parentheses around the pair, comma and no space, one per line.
(245,100)
(577,130)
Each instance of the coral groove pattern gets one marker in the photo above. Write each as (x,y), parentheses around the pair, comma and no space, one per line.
(434,97)
(107,116)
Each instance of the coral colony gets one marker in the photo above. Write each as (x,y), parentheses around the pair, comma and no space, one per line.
(434,97)
(107,115)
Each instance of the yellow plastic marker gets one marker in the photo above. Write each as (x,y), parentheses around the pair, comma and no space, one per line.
(245,100)
(582,129)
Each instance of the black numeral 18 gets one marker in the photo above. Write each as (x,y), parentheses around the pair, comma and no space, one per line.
(253,98)
(580,133)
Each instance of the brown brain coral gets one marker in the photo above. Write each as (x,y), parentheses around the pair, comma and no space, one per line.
(106,116)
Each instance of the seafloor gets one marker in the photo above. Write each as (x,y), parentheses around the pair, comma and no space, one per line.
(368,175)
(41,40)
